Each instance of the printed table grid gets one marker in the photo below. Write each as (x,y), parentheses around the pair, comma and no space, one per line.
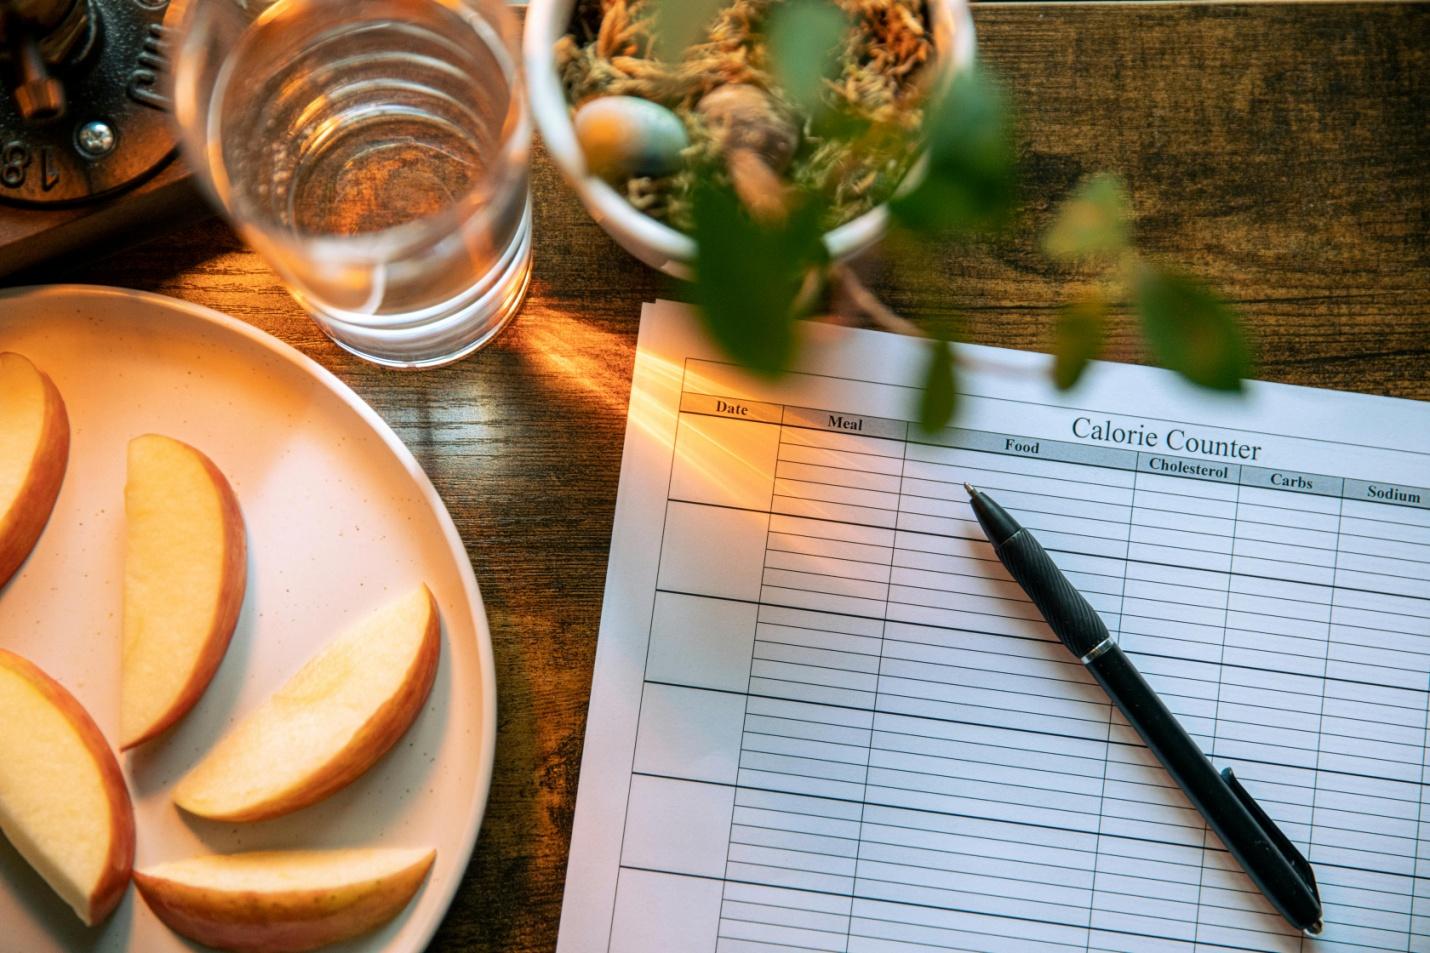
(917,768)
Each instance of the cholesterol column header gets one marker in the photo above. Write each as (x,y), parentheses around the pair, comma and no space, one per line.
(1167,465)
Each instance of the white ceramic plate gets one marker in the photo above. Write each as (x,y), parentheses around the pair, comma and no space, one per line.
(340,518)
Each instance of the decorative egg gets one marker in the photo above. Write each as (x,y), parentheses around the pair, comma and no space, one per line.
(626,135)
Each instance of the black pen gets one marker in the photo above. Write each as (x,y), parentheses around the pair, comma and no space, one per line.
(1267,855)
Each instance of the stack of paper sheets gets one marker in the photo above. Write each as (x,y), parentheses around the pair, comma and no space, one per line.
(823,718)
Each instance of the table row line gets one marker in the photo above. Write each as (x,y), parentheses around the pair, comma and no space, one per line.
(672,910)
(746,534)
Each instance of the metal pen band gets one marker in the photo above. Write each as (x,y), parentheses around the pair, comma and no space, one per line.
(1098,649)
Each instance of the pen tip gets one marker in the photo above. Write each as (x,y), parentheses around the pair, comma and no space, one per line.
(972,490)
(1315,928)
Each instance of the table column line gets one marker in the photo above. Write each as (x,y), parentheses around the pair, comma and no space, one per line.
(1107,735)
(1216,709)
(749,678)
(1419,819)
(878,677)
(1325,670)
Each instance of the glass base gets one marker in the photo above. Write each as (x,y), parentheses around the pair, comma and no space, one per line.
(484,318)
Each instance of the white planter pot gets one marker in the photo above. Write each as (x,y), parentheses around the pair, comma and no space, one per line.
(654,242)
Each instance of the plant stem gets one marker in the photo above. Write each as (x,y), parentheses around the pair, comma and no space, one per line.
(869,304)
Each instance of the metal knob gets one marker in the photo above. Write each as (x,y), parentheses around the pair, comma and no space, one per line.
(39,96)
(83,110)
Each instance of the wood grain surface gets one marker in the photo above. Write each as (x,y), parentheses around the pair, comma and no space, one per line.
(30,235)
(1279,150)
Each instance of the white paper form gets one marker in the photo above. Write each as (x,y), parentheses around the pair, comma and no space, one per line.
(824,718)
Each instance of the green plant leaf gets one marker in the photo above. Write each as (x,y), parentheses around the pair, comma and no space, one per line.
(1191,330)
(970,183)
(1077,339)
(679,24)
(805,45)
(748,274)
(1093,222)
(940,394)
(838,122)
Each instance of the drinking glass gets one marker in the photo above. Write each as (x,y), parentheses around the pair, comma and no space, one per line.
(375,153)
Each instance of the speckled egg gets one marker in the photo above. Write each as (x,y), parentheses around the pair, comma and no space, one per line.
(626,135)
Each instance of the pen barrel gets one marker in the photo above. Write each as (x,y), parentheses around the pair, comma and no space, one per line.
(1226,814)
(1076,623)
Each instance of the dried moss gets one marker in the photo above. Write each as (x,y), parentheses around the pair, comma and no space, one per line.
(879,92)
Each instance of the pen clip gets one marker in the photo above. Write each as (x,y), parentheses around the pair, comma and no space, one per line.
(1288,850)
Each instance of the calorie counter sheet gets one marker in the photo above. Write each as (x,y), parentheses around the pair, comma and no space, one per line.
(824,718)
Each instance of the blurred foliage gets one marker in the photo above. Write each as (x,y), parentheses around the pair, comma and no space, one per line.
(749,274)
(970,184)
(679,24)
(805,41)
(1078,337)
(752,277)
(1190,329)
(1092,223)
(939,399)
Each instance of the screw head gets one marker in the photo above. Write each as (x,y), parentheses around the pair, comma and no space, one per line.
(95,138)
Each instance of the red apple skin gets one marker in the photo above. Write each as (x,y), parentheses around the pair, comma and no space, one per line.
(388,724)
(110,889)
(225,619)
(20,529)
(254,922)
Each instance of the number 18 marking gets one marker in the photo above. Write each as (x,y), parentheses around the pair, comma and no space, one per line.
(15,160)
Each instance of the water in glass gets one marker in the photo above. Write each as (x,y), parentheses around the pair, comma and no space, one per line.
(375,151)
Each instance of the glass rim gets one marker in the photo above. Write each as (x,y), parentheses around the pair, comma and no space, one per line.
(198,138)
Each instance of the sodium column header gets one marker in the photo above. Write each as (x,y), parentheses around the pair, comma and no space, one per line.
(1377,492)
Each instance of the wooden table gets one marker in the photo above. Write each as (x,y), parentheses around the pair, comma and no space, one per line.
(1279,150)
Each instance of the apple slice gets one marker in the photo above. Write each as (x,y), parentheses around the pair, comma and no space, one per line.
(283,901)
(328,724)
(63,803)
(185,568)
(34,449)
